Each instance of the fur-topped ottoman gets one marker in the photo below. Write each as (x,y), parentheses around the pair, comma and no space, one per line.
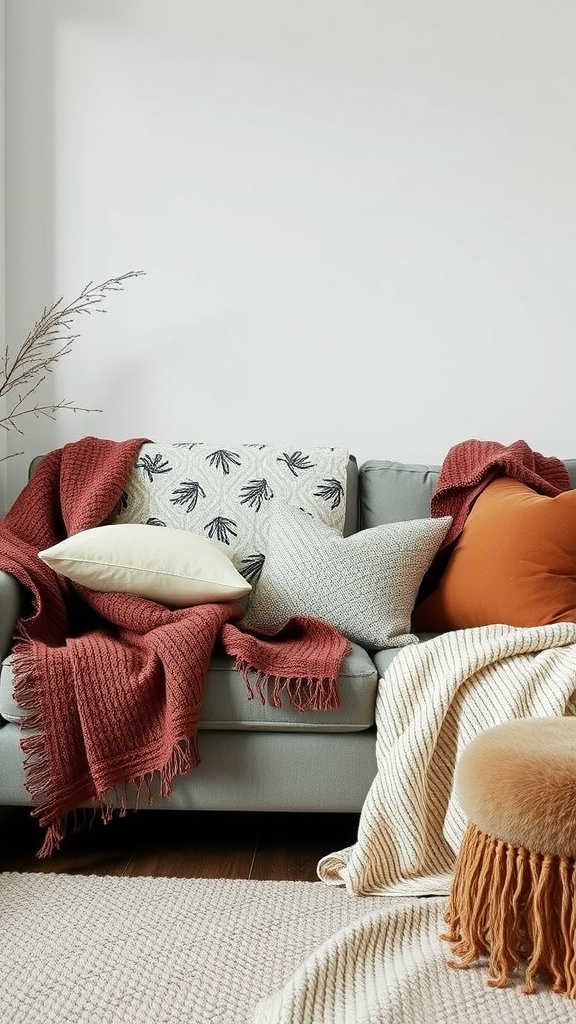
(513,897)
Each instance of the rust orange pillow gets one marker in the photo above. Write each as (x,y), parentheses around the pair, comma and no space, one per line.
(514,562)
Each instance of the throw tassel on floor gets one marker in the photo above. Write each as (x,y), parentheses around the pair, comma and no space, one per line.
(514,906)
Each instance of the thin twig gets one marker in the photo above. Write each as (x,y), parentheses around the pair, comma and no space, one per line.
(49,341)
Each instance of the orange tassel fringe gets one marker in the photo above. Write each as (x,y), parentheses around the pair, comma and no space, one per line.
(512,905)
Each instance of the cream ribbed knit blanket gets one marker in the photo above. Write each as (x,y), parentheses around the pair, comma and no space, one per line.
(433,699)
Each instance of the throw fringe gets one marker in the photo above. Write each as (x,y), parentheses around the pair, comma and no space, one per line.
(511,905)
(37,776)
(316,694)
(183,758)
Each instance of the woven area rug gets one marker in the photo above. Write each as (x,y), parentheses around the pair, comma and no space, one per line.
(85,949)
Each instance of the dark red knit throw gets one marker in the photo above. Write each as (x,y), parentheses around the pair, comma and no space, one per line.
(114,683)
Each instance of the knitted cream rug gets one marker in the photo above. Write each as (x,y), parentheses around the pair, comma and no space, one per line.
(106,950)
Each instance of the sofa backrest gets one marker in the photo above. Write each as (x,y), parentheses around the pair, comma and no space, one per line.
(384,491)
(393,492)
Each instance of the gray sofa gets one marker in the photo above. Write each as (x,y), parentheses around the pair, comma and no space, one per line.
(257,758)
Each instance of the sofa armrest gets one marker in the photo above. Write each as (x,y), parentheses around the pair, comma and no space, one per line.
(12,602)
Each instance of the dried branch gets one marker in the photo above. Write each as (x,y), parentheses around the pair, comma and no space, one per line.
(49,341)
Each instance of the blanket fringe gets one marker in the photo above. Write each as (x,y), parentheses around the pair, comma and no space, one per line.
(38,783)
(510,904)
(37,776)
(316,694)
(184,757)
(53,837)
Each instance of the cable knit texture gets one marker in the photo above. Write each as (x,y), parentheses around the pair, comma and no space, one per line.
(114,682)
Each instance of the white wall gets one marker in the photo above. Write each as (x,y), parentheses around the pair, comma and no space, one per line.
(356,218)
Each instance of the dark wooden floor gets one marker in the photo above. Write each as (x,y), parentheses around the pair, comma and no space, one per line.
(183,844)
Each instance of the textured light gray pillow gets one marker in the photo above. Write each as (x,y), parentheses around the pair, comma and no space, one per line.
(364,585)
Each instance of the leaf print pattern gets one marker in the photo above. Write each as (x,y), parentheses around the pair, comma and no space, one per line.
(228,492)
(150,465)
(223,459)
(251,567)
(187,494)
(330,490)
(254,493)
(221,529)
(295,461)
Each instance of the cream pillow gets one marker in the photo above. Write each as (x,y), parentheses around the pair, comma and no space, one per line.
(174,567)
(364,585)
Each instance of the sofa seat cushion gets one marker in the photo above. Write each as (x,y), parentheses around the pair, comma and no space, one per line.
(227,705)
